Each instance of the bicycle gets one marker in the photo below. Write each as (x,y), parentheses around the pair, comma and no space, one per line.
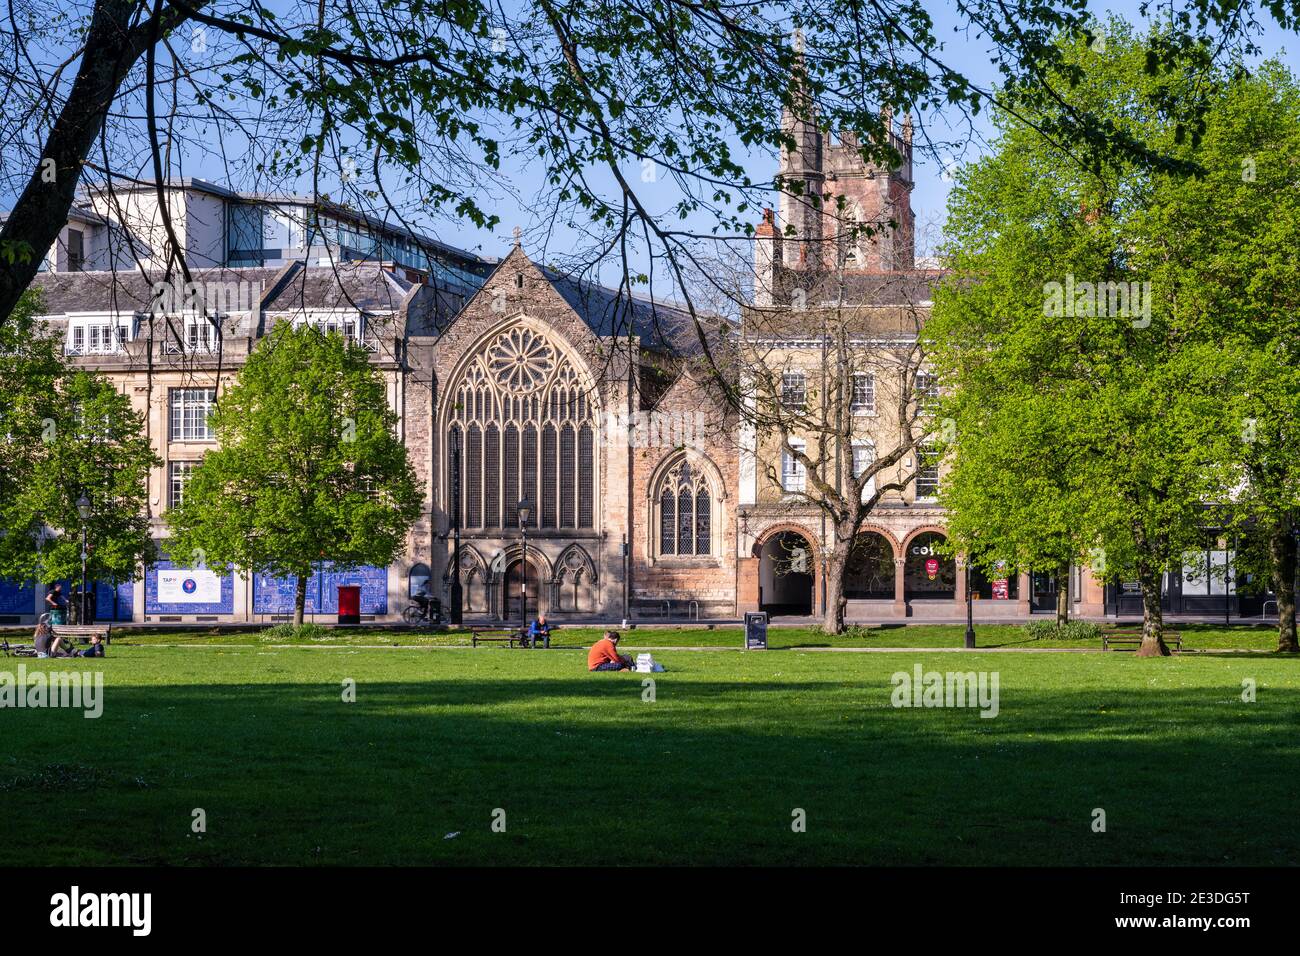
(428,613)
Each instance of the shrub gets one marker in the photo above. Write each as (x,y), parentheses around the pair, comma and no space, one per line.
(852,631)
(1071,631)
(282,633)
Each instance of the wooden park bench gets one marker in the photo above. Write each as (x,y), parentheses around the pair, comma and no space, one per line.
(1132,640)
(495,635)
(84,632)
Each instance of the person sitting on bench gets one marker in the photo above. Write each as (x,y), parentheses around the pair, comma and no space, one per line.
(539,630)
(604,655)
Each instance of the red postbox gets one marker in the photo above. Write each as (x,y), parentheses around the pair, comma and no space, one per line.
(349,604)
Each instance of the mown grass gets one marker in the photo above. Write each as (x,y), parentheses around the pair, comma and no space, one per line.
(710,772)
(1195,637)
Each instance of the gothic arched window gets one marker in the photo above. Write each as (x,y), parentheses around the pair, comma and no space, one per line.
(685,501)
(530,429)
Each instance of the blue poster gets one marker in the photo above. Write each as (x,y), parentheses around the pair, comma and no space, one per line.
(170,589)
(17,597)
(104,593)
(272,595)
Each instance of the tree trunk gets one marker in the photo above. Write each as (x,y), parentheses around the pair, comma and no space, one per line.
(836,603)
(299,600)
(1062,595)
(1282,549)
(112,47)
(1153,641)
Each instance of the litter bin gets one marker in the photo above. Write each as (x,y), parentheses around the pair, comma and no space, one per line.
(349,604)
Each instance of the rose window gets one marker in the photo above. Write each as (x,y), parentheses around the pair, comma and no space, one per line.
(521,360)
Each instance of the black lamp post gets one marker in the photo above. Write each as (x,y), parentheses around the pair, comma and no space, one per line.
(524,508)
(970,609)
(83,509)
(457,595)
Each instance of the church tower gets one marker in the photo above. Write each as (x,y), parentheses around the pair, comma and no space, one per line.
(816,234)
(801,171)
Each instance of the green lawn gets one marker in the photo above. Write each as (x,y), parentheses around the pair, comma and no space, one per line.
(709,773)
(1195,636)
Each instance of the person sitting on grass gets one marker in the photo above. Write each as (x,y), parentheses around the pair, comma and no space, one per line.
(96,648)
(44,637)
(46,643)
(604,655)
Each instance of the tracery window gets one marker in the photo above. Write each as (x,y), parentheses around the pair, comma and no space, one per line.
(527,422)
(685,512)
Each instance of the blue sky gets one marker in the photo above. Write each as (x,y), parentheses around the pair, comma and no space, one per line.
(931,186)
(966,54)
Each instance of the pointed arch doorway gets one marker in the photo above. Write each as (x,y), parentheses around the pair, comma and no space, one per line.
(512,582)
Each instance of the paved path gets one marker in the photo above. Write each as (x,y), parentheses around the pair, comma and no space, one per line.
(648,647)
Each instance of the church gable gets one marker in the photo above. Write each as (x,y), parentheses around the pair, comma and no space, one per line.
(519,292)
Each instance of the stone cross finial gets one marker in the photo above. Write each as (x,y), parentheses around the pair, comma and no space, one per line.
(518,235)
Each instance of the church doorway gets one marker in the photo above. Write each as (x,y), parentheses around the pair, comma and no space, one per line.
(513,584)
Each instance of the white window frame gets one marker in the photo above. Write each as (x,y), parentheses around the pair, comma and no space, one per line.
(926,388)
(351,325)
(178,476)
(859,466)
(102,333)
(794,477)
(868,405)
(200,335)
(930,473)
(180,424)
(794,384)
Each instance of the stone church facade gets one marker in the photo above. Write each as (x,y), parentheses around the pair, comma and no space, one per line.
(573,399)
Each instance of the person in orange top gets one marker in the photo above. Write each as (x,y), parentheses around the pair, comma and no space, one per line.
(604,655)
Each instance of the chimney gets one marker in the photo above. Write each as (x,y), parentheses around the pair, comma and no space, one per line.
(767,260)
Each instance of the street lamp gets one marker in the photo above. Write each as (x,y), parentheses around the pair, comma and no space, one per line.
(83,509)
(457,595)
(524,508)
(970,609)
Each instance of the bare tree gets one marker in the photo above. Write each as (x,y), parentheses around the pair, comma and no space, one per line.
(837,397)
(426,101)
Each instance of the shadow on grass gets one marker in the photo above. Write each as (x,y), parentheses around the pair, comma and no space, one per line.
(709,773)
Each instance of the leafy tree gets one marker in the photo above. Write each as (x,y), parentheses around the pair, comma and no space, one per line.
(406,108)
(94,445)
(31,365)
(1063,312)
(1009,505)
(309,466)
(1233,234)
(848,460)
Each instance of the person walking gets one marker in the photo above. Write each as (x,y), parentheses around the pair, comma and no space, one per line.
(56,604)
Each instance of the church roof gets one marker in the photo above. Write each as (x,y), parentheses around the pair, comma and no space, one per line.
(362,285)
(659,325)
